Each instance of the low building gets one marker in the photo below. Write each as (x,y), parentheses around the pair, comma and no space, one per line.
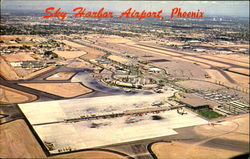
(193,101)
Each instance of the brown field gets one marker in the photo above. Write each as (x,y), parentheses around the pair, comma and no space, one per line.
(155,50)
(22,72)
(17,141)
(18,57)
(78,64)
(118,59)
(238,123)
(216,76)
(33,74)
(9,95)
(227,45)
(92,54)
(241,60)
(192,61)
(235,57)
(61,76)
(240,70)
(236,129)
(11,37)
(241,79)
(10,73)
(231,61)
(182,52)
(7,45)
(200,85)
(176,150)
(66,90)
(22,37)
(70,54)
(92,155)
(181,69)
(207,61)
(104,48)
(72,44)
(6,71)
(115,39)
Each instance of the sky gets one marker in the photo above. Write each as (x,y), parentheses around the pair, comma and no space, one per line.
(225,8)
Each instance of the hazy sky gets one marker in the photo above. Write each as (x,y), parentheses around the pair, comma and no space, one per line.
(232,8)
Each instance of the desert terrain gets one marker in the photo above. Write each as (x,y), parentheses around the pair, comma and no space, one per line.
(235,130)
(66,90)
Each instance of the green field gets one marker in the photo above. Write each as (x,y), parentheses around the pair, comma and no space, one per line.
(208,113)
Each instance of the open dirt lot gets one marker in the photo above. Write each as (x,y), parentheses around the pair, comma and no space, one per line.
(180,68)
(18,57)
(225,59)
(22,72)
(227,45)
(235,57)
(193,61)
(61,76)
(10,73)
(115,39)
(6,71)
(70,54)
(216,76)
(155,50)
(92,53)
(99,46)
(72,44)
(78,64)
(199,85)
(212,63)
(36,73)
(66,90)
(240,70)
(9,95)
(17,141)
(176,150)
(240,79)
(22,37)
(118,59)
(222,140)
(95,154)
(241,60)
